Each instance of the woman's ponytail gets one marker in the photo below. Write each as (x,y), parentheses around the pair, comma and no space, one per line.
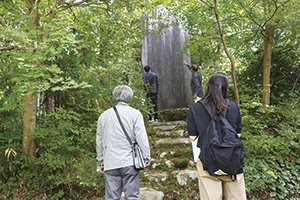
(216,92)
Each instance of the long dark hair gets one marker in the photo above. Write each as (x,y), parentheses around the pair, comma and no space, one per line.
(216,92)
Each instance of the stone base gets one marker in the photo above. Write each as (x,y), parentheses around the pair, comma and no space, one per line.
(148,194)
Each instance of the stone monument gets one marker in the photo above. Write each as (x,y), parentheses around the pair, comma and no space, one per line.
(160,46)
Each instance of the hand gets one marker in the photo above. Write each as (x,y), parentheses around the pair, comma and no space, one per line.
(147,161)
(184,62)
(102,170)
(195,96)
(193,138)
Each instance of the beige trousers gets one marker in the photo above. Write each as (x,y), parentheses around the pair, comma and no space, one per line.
(216,187)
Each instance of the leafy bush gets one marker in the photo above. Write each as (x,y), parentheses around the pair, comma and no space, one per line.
(284,72)
(272,139)
(64,163)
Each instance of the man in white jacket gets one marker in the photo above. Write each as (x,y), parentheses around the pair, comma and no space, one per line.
(114,153)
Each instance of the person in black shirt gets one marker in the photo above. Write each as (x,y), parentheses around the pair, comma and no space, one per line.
(196,82)
(215,187)
(151,85)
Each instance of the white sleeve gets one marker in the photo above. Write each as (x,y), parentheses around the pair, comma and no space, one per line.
(99,144)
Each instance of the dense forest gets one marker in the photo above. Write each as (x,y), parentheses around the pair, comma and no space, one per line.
(60,60)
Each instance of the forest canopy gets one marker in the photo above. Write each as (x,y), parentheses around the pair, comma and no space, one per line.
(60,60)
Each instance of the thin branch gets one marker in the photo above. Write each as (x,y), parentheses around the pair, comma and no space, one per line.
(47,32)
(75,18)
(295,82)
(29,4)
(262,32)
(215,36)
(68,5)
(251,15)
(254,35)
(2,22)
(10,47)
(73,13)
(226,50)
(206,3)
(272,14)
(244,31)
(81,3)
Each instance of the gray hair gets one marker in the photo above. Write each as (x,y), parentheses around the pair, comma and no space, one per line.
(122,93)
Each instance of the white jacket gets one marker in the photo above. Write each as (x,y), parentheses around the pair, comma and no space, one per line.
(113,149)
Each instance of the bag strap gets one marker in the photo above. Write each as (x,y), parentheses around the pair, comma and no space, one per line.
(118,116)
(209,109)
(233,177)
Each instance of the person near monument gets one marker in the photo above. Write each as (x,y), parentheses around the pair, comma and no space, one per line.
(114,152)
(196,82)
(198,119)
(151,85)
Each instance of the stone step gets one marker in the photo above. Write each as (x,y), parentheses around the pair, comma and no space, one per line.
(172,123)
(164,128)
(148,194)
(172,143)
(182,176)
(174,163)
(157,177)
(178,133)
(185,176)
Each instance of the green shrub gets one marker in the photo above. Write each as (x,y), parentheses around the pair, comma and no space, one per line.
(64,162)
(272,139)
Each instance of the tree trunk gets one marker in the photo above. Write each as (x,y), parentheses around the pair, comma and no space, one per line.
(269,37)
(50,103)
(29,122)
(227,53)
(29,115)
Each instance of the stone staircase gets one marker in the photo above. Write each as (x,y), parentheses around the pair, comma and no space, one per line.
(172,164)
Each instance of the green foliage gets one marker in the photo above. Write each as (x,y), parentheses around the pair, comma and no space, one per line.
(76,67)
(89,51)
(272,139)
(65,160)
(164,168)
(284,72)
(180,163)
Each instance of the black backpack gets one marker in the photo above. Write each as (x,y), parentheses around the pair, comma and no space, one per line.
(222,151)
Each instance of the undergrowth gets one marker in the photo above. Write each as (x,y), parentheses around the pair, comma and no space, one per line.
(65,168)
(271,137)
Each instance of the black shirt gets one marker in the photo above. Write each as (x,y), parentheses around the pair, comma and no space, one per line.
(198,120)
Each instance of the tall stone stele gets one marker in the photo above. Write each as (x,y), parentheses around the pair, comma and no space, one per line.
(160,51)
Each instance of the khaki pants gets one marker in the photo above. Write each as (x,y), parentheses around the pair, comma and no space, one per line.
(216,187)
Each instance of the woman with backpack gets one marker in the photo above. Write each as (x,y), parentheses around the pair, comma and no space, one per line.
(219,142)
